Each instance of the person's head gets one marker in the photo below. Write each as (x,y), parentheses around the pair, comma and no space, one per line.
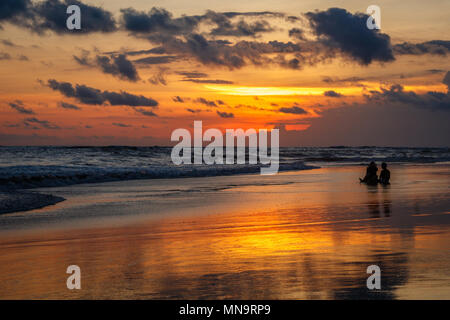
(372,164)
(384,165)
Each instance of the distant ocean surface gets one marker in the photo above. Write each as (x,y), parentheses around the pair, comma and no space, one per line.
(30,167)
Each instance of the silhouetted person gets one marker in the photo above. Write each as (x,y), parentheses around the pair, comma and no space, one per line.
(371,174)
(385,174)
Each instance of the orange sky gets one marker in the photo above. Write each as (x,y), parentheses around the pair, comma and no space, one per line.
(254,95)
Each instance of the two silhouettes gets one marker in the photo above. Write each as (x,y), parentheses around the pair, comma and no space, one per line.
(371,177)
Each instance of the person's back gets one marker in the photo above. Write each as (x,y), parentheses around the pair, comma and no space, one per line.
(385,174)
(371,174)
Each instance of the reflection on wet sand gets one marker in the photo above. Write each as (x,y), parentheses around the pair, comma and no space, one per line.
(317,249)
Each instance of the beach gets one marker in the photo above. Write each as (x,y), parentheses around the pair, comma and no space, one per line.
(307,234)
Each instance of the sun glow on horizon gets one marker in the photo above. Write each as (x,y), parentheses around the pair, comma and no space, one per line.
(312,91)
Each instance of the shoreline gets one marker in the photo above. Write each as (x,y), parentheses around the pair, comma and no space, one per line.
(309,234)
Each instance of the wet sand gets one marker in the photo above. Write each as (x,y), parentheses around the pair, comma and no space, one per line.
(297,235)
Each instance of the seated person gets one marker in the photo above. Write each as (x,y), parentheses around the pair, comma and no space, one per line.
(371,174)
(385,174)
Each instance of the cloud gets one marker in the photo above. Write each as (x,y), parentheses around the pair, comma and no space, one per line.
(43,123)
(293,110)
(9,9)
(159,20)
(395,94)
(193,75)
(297,33)
(156,20)
(225,114)
(209,81)
(156,60)
(127,99)
(159,77)
(88,95)
(347,32)
(332,94)
(19,107)
(118,66)
(241,28)
(122,125)
(193,110)
(206,102)
(83,59)
(66,105)
(145,112)
(178,99)
(436,47)
(51,15)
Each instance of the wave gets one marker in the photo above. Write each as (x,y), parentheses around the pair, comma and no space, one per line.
(25,177)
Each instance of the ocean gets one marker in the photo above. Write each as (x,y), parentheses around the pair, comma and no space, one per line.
(30,167)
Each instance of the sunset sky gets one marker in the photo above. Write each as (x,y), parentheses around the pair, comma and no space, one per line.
(139,69)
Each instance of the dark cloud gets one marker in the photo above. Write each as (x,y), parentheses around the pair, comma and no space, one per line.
(209,81)
(66,105)
(395,94)
(225,114)
(339,32)
(9,9)
(145,112)
(332,94)
(19,107)
(157,50)
(118,66)
(347,32)
(161,21)
(156,60)
(127,99)
(30,122)
(193,110)
(436,47)
(293,110)
(88,95)
(157,20)
(297,33)
(206,102)
(343,80)
(178,99)
(232,14)
(122,125)
(84,59)
(193,75)
(51,15)
(241,28)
